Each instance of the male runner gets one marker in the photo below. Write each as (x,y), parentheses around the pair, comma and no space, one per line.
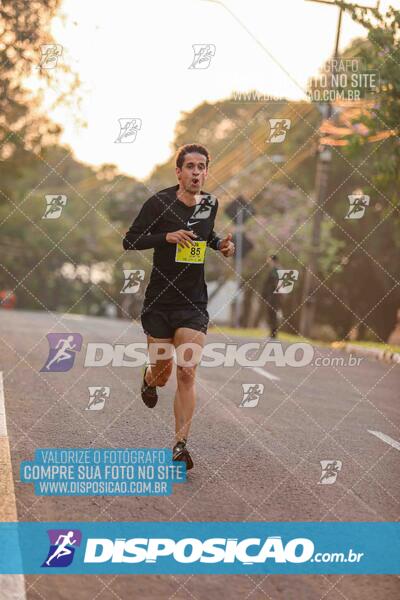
(178,223)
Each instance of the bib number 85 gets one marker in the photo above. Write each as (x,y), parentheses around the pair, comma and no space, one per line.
(194,254)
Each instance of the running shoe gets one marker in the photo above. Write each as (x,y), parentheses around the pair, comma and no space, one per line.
(180,452)
(148,392)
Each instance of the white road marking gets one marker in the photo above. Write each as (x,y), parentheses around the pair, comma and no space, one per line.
(386,438)
(265,373)
(12,586)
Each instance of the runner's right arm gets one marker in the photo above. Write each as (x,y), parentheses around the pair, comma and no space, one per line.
(141,234)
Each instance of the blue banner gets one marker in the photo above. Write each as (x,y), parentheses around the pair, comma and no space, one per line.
(199,548)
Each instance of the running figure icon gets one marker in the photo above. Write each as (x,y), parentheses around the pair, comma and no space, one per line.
(63,346)
(133,279)
(287,279)
(97,397)
(62,549)
(62,351)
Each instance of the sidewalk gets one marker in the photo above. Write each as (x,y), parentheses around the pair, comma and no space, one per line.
(376,353)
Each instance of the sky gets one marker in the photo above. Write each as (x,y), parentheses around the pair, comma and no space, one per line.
(133,59)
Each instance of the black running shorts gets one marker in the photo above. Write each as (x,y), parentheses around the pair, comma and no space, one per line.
(160,323)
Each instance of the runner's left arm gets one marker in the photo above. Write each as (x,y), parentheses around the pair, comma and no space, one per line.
(213,239)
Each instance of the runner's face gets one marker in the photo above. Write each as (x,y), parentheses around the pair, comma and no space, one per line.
(193,173)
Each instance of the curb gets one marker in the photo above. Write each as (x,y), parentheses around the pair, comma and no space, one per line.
(12,587)
(376,353)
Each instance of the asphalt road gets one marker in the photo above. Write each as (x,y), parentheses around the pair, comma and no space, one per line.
(251,464)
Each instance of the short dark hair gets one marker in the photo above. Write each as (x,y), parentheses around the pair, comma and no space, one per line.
(274,257)
(187,149)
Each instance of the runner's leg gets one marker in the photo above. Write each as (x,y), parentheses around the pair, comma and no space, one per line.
(185,397)
(160,369)
(272,318)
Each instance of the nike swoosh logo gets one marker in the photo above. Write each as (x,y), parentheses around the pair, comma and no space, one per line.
(194,223)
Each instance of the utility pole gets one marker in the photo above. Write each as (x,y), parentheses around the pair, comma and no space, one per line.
(239,211)
(324,158)
(238,265)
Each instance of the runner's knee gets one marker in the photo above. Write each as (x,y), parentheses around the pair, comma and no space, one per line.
(185,375)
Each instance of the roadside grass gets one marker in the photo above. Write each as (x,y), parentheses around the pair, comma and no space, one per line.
(260,332)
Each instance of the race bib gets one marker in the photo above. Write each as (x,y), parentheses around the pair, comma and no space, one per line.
(194,254)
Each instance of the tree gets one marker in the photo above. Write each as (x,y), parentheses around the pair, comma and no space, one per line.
(24,130)
(376,269)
